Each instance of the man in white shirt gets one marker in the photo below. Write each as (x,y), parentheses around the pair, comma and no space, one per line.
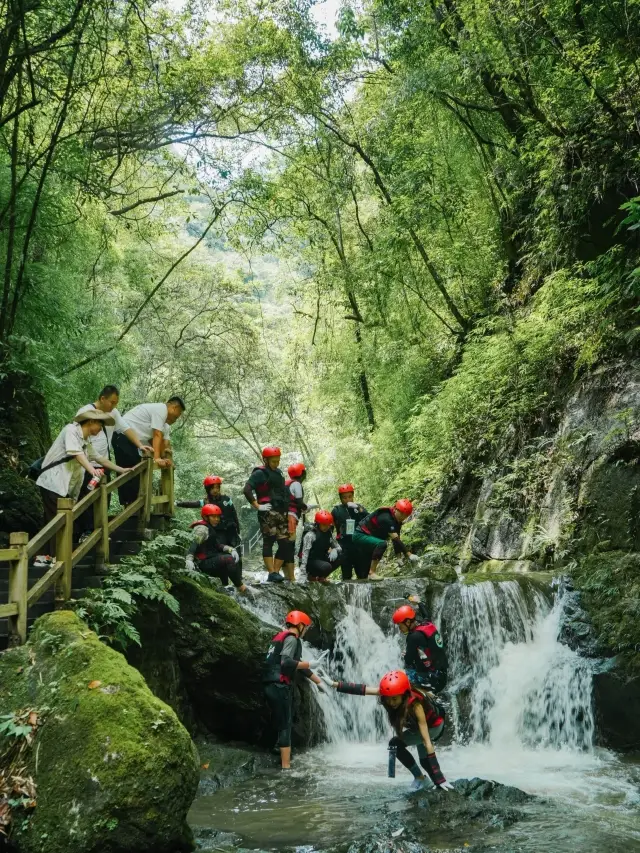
(151,423)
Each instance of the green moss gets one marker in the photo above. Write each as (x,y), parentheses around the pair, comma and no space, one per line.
(610,586)
(114,768)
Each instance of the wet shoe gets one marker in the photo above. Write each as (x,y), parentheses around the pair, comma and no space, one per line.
(418,785)
(275,577)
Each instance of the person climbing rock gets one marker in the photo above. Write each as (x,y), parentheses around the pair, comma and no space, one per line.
(416,719)
(208,548)
(372,533)
(347,515)
(266,491)
(283,661)
(229,527)
(425,660)
(297,475)
(320,552)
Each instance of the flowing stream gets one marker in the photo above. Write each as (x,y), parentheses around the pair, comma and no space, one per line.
(519,712)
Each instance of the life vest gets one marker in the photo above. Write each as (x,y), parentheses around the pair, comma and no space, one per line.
(294,503)
(272,666)
(371,524)
(226,505)
(426,658)
(211,545)
(273,490)
(433,712)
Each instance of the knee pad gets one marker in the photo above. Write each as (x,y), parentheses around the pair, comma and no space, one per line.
(267,545)
(378,551)
(286,550)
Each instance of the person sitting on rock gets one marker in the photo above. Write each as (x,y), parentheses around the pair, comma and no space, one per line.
(320,552)
(373,532)
(284,660)
(266,491)
(213,556)
(415,718)
(425,660)
(229,528)
(346,515)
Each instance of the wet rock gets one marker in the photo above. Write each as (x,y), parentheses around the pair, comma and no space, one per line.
(483,789)
(207,839)
(225,764)
(617,701)
(577,630)
(115,771)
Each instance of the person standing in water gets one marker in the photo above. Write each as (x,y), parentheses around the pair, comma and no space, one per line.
(373,532)
(266,491)
(284,660)
(346,515)
(415,720)
(425,660)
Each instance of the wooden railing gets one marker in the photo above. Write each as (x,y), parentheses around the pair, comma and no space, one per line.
(22,549)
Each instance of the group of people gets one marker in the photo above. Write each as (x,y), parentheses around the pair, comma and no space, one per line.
(348,537)
(408,696)
(99,440)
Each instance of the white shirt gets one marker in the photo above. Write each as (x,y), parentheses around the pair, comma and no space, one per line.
(145,418)
(101,443)
(66,479)
(296,491)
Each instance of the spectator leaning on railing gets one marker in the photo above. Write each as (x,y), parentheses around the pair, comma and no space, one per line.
(66,461)
(151,423)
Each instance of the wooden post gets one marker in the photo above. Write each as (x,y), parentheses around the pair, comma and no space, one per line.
(64,550)
(18,587)
(101,522)
(146,490)
(166,484)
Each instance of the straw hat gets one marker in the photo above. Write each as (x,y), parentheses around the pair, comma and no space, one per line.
(94,415)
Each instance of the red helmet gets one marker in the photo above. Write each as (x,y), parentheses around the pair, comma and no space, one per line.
(212,480)
(268,452)
(346,488)
(394,683)
(403,613)
(404,506)
(297,617)
(323,516)
(296,470)
(210,509)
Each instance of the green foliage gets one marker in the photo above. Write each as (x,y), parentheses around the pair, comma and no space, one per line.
(111,610)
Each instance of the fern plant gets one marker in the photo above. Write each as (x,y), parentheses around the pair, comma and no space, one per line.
(110,611)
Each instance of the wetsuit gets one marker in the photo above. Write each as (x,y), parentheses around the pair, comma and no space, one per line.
(278,674)
(425,660)
(411,736)
(314,554)
(347,518)
(270,488)
(229,527)
(211,551)
(370,539)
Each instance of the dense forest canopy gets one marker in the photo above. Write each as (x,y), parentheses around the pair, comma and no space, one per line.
(389,249)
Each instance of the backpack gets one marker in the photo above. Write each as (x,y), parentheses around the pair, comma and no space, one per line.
(35,469)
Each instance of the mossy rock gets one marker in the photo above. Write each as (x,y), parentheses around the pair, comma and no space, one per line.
(20,504)
(115,770)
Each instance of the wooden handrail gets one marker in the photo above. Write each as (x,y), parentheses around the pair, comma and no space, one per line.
(22,549)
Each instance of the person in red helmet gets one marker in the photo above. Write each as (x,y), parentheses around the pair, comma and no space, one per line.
(229,526)
(320,552)
(425,660)
(347,515)
(297,475)
(283,661)
(416,720)
(373,532)
(267,492)
(208,552)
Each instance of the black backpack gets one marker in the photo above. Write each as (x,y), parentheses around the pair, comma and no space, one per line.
(35,469)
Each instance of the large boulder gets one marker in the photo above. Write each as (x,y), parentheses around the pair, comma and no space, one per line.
(114,770)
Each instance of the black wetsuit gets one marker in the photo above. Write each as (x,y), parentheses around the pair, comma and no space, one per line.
(280,668)
(229,527)
(425,660)
(342,515)
(212,558)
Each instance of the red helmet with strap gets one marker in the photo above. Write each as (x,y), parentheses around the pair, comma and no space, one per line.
(212,480)
(297,617)
(271,451)
(296,470)
(403,613)
(345,488)
(210,509)
(323,516)
(394,683)
(404,506)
